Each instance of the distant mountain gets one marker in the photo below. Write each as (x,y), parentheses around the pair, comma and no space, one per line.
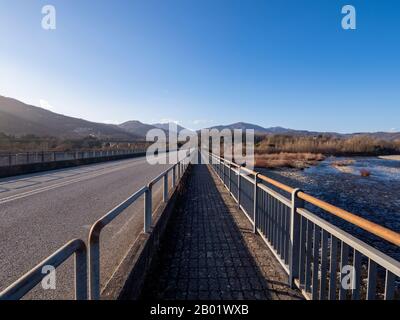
(136,127)
(260,130)
(389,136)
(242,126)
(141,129)
(18,119)
(165,126)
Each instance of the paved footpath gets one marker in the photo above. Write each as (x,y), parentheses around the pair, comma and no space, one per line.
(210,252)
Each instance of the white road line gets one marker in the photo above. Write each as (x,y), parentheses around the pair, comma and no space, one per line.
(61,184)
(73,171)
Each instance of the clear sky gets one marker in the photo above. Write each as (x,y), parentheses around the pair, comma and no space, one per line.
(207,62)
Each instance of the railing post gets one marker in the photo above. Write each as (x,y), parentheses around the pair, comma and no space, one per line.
(81,274)
(94,262)
(294,237)
(238,183)
(255,203)
(173,176)
(223,173)
(230,170)
(148,210)
(165,188)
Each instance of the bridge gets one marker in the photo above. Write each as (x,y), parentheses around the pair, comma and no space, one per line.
(217,231)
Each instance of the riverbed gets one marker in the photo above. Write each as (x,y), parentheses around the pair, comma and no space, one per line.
(376,197)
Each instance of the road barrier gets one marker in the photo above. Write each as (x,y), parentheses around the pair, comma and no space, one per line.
(23,285)
(25,158)
(32,278)
(147,191)
(322,260)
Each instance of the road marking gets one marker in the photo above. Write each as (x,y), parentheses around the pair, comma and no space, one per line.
(67,172)
(61,184)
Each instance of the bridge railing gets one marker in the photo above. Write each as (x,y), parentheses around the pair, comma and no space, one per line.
(24,158)
(26,283)
(321,259)
(31,279)
(176,171)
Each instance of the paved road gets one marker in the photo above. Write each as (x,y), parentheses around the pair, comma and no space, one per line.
(41,212)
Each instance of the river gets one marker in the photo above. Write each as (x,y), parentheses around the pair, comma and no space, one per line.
(376,197)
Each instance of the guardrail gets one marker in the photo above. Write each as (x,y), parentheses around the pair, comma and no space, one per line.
(317,256)
(23,158)
(32,278)
(27,282)
(147,191)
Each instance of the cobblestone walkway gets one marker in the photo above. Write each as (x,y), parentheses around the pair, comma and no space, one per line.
(210,252)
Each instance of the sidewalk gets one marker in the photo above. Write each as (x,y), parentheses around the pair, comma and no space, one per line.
(210,252)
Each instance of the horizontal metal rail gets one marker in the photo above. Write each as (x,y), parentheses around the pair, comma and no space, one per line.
(316,255)
(360,222)
(94,241)
(26,283)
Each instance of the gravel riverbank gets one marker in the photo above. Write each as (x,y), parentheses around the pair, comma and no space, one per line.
(376,198)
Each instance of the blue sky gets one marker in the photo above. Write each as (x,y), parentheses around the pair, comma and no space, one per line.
(207,62)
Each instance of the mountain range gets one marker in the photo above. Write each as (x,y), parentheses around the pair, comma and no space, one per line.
(19,119)
(390,136)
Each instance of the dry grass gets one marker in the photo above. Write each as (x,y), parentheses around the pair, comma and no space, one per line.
(328,145)
(343,163)
(288,160)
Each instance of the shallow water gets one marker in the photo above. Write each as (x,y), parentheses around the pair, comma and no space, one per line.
(376,198)
(380,169)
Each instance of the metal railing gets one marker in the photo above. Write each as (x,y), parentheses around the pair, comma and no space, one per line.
(24,158)
(23,285)
(94,236)
(32,278)
(322,260)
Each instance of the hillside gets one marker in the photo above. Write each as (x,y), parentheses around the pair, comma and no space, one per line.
(137,128)
(165,127)
(19,119)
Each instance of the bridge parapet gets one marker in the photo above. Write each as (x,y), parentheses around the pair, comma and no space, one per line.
(321,259)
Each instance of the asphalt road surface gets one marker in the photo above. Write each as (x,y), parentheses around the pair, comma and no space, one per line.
(41,212)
